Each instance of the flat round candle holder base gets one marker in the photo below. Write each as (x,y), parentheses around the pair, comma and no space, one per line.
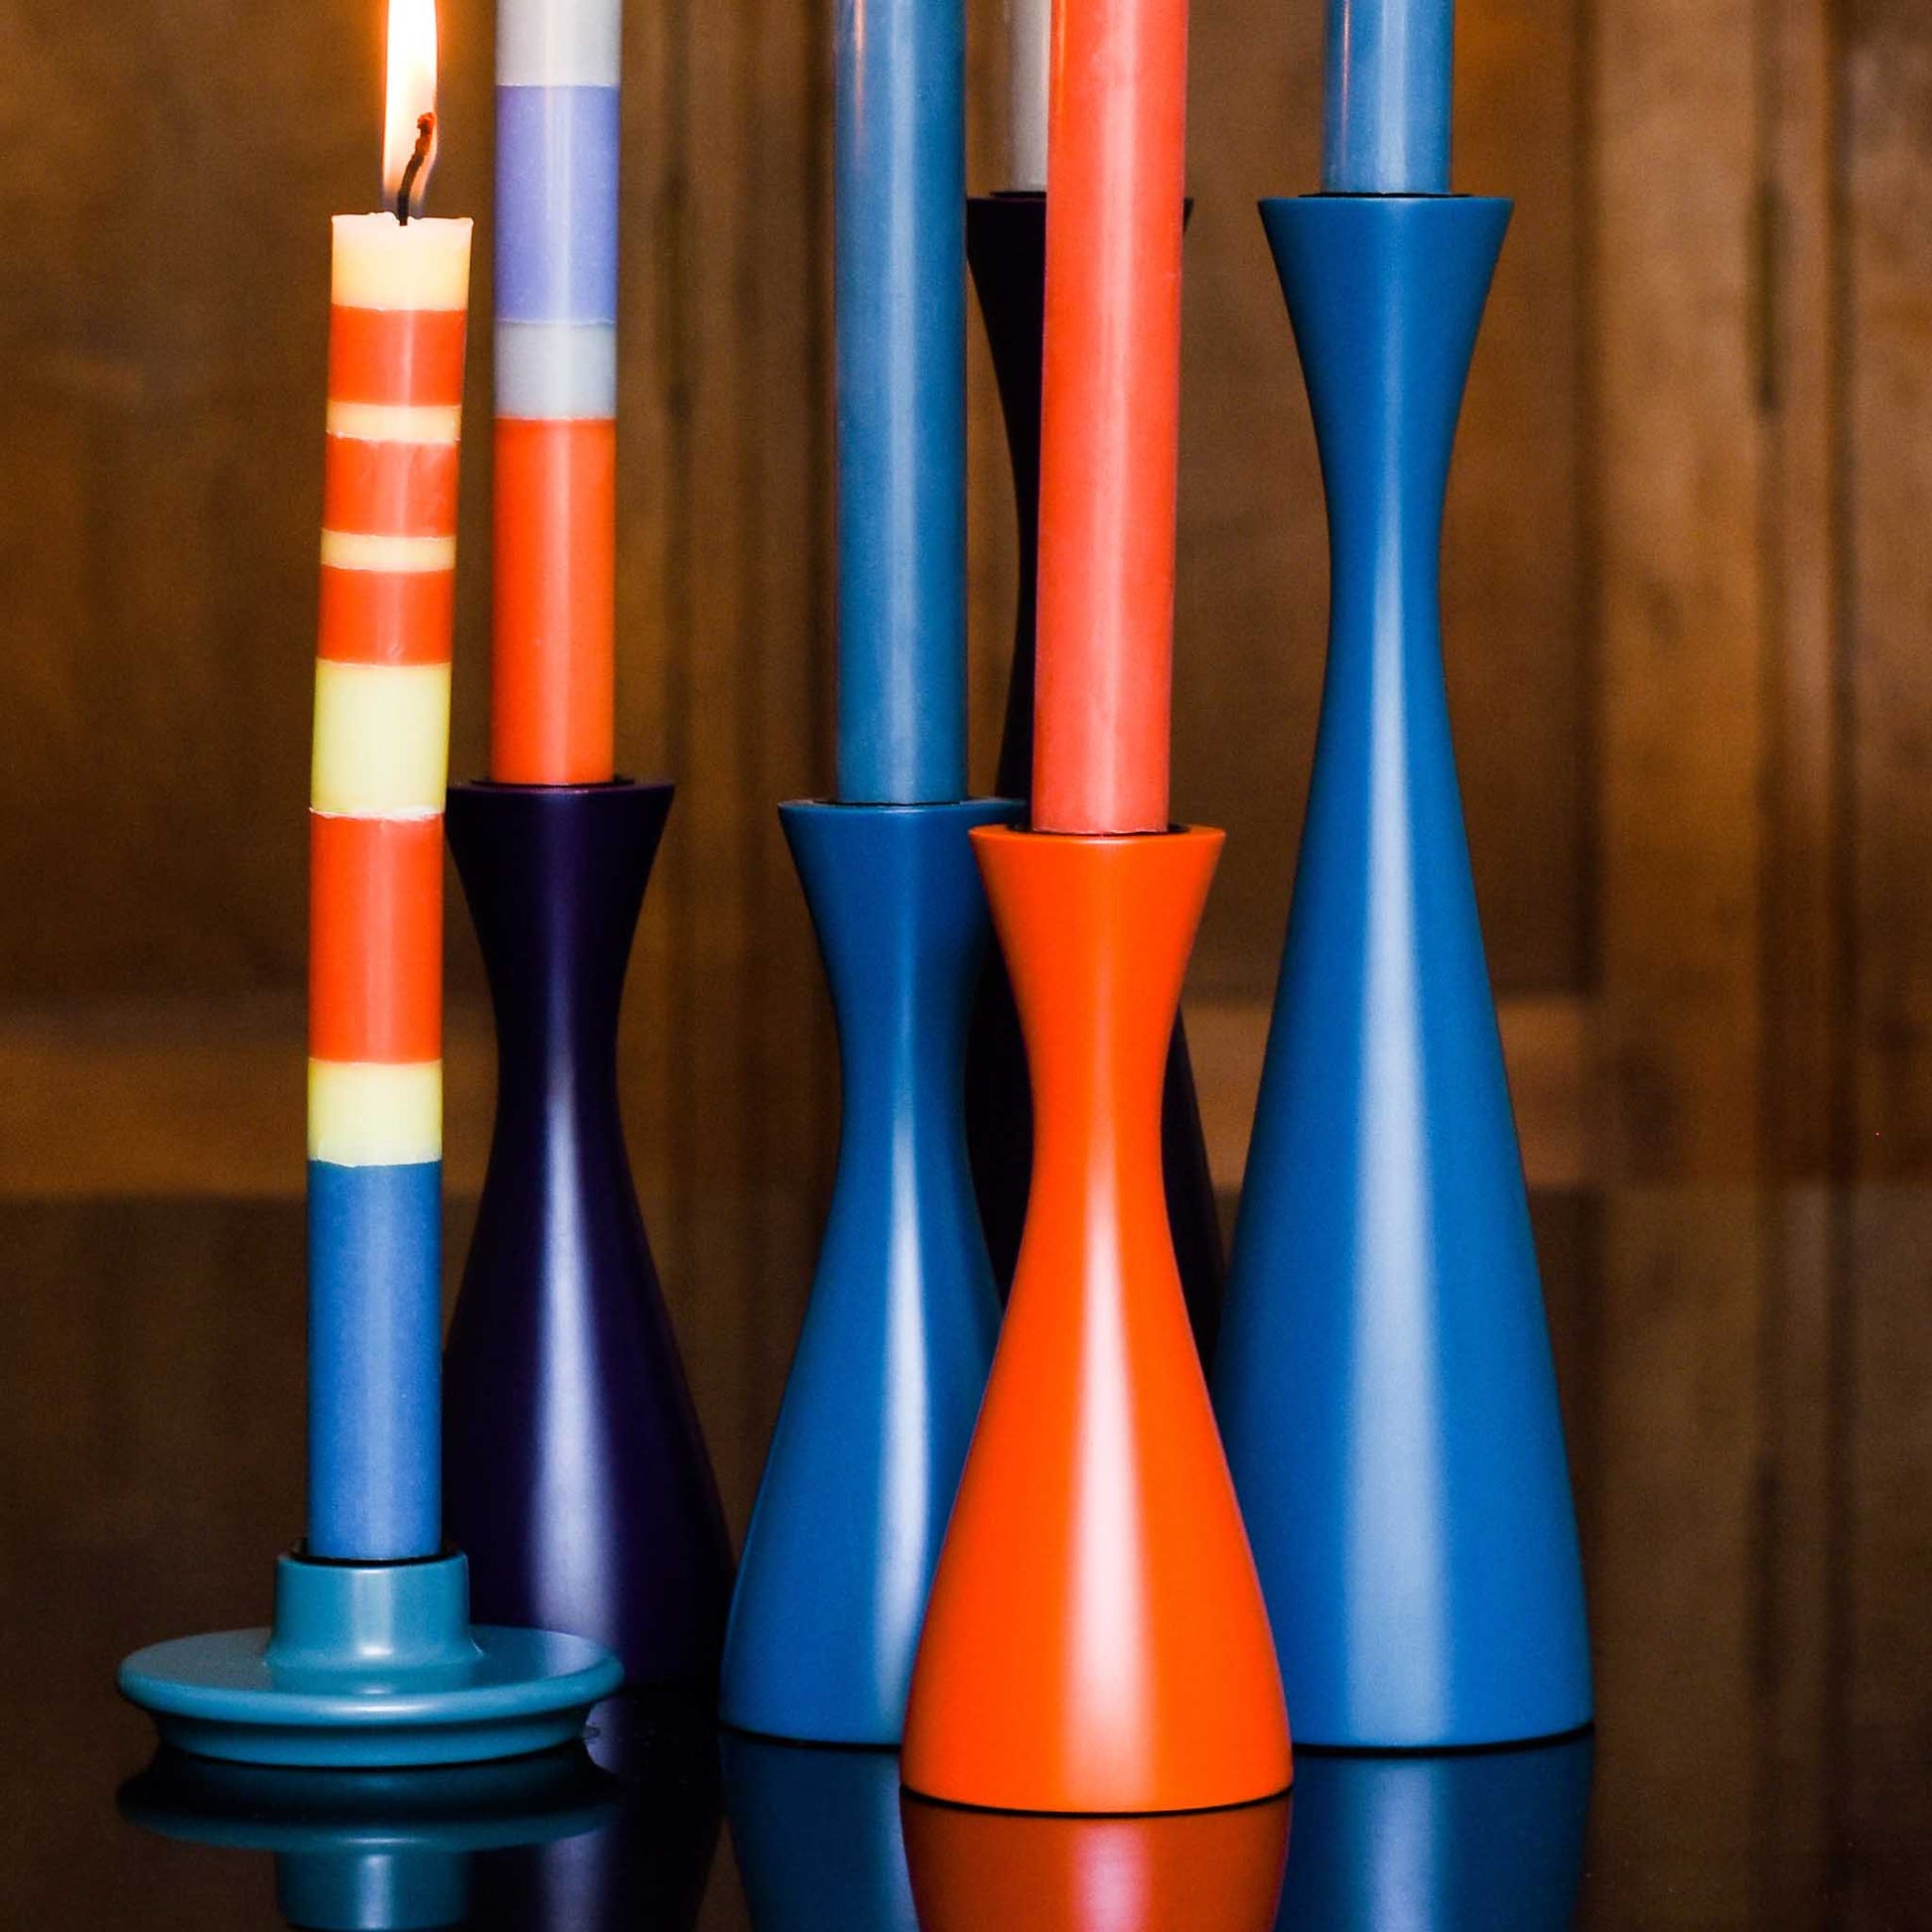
(369,1665)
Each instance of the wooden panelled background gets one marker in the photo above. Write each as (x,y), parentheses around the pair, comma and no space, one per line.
(1688,597)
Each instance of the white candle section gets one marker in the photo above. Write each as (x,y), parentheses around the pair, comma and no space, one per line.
(383,263)
(559,43)
(1030,26)
(556,371)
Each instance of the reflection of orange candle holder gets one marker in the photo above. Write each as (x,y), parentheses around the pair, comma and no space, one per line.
(1213,1872)
(1096,1639)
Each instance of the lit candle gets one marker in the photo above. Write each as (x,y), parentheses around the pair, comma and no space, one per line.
(398,302)
(900,288)
(1030,39)
(1110,416)
(1388,66)
(553,685)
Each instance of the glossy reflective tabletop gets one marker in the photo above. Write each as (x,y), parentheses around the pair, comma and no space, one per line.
(1747,1383)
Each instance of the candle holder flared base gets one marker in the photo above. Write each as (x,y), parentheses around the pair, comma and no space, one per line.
(575,1474)
(1096,1640)
(369,1665)
(899,1332)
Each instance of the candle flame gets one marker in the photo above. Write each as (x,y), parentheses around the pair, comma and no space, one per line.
(411,95)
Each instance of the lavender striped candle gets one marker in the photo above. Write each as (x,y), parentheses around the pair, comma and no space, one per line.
(557,160)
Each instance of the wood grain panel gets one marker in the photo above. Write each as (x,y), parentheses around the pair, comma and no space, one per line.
(1672,1574)
(1677,481)
(1514,568)
(1883,1358)
(1677,474)
(1804,1092)
(1889,193)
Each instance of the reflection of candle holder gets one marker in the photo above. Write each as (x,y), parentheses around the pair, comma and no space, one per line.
(575,1477)
(899,1335)
(1006,247)
(817,1838)
(1202,1871)
(1384,1378)
(371,1850)
(1096,1640)
(369,1664)
(645,1869)
(1462,1842)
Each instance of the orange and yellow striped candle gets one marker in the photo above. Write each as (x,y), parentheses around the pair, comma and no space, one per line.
(398,315)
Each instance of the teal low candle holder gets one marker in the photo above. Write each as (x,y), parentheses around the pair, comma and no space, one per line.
(369,1665)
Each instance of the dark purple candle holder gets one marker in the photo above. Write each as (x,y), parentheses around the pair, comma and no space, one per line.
(575,1472)
(1006,249)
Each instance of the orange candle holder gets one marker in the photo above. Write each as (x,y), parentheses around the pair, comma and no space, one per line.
(1096,1639)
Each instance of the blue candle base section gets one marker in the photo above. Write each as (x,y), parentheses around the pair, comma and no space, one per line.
(1384,1380)
(575,1474)
(371,1851)
(898,282)
(900,1334)
(366,1665)
(1386,110)
(374,1374)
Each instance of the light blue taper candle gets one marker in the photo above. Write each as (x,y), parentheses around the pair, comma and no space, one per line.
(900,290)
(1389,67)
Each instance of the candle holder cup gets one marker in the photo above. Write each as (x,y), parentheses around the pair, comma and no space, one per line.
(1096,1639)
(1384,1380)
(575,1472)
(900,1331)
(1006,249)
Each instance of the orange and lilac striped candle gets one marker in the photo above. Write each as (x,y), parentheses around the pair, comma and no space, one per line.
(381,752)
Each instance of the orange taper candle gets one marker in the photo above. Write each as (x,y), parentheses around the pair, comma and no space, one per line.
(1111,415)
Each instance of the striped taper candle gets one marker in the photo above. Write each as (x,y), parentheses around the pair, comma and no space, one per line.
(552,692)
(375,947)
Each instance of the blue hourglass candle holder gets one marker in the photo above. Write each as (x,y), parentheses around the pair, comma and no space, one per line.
(575,1476)
(900,1331)
(1384,1380)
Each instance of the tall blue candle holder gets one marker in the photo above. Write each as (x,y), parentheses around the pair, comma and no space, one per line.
(900,1331)
(575,1472)
(1006,249)
(1384,1379)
